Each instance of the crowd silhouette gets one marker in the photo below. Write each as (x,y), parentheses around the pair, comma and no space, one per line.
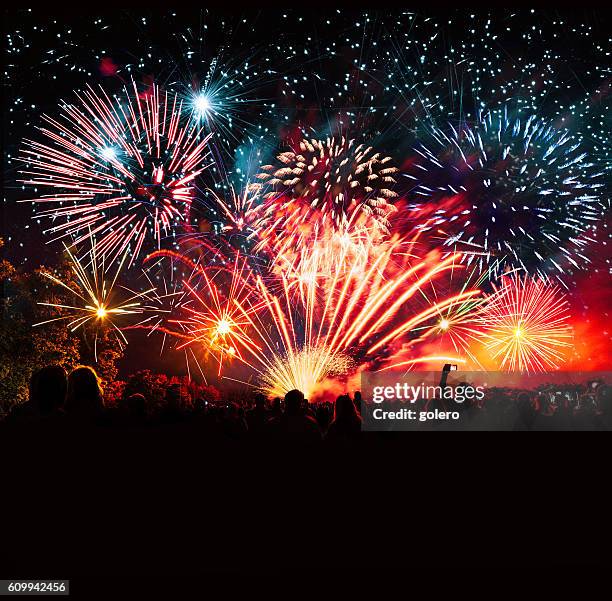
(61,400)
(244,475)
(57,399)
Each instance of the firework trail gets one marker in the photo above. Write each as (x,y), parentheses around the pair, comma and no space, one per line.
(525,324)
(122,168)
(352,319)
(509,193)
(334,324)
(457,328)
(99,301)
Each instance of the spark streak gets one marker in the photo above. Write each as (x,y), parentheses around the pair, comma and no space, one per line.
(120,168)
(97,304)
(526,323)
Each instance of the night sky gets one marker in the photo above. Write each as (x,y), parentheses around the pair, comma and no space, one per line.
(288,73)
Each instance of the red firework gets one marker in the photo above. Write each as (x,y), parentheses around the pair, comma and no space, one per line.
(117,168)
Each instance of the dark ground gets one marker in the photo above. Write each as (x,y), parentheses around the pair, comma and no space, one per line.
(167,511)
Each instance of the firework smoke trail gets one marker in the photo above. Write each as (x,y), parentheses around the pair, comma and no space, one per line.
(122,168)
(526,324)
(426,359)
(514,190)
(98,303)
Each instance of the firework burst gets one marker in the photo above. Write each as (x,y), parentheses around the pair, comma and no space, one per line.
(303,370)
(99,302)
(326,204)
(337,320)
(327,260)
(168,299)
(517,191)
(212,307)
(526,325)
(335,183)
(361,316)
(122,168)
(238,211)
(229,96)
(457,328)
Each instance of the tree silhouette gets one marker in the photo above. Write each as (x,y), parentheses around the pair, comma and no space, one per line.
(24,348)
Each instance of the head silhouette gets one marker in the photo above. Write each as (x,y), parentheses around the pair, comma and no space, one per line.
(344,408)
(48,389)
(526,408)
(84,391)
(173,396)
(293,402)
(604,402)
(260,401)
(135,405)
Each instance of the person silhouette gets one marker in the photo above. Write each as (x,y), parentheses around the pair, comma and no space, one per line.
(347,422)
(527,412)
(294,424)
(276,410)
(257,417)
(48,389)
(604,403)
(46,398)
(173,412)
(135,408)
(84,399)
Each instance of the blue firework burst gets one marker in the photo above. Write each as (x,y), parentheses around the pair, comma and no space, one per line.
(510,192)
